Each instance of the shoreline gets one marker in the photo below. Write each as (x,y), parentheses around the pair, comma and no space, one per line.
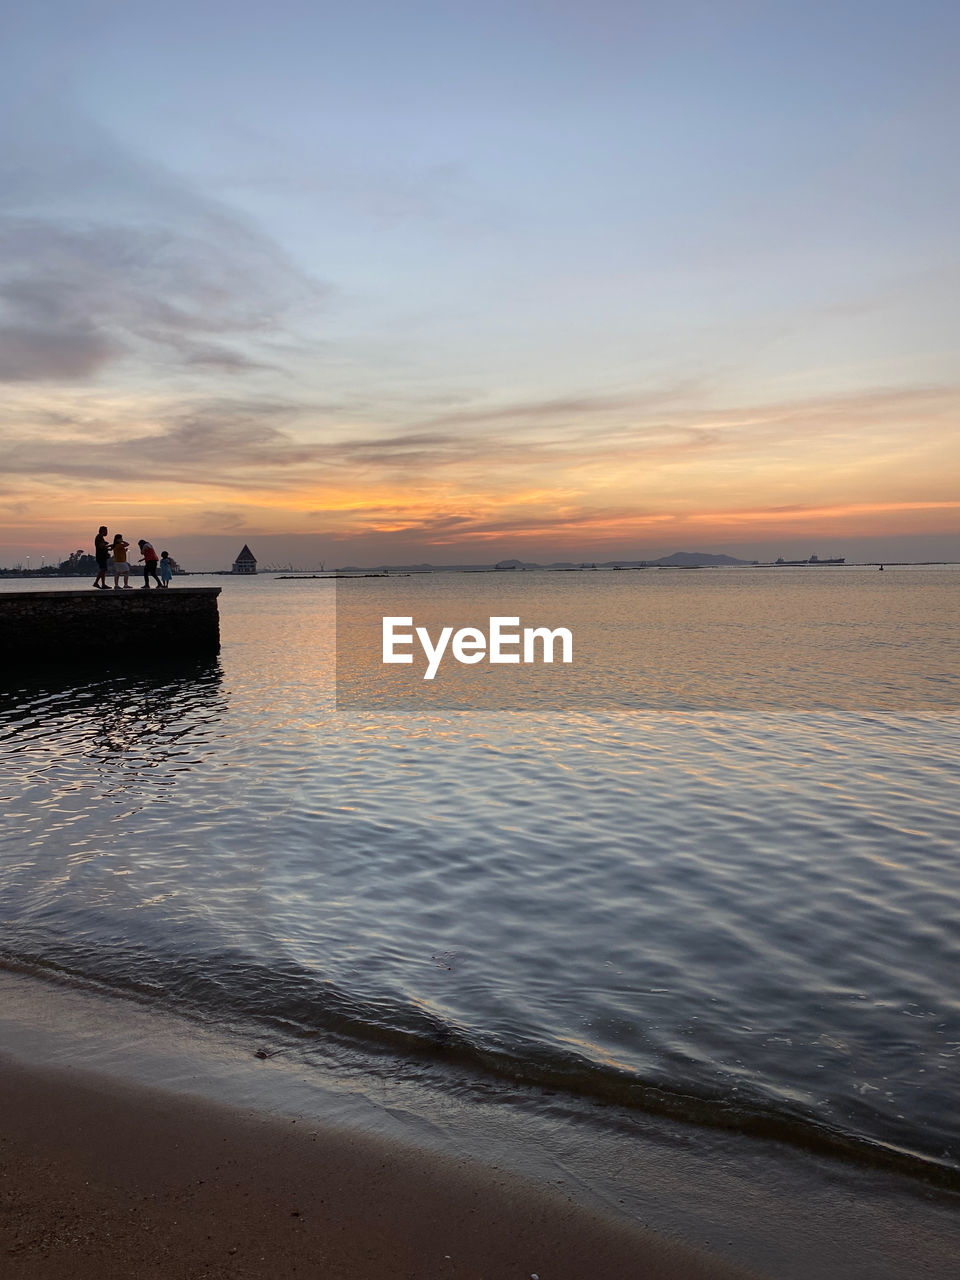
(112,1180)
(80,1067)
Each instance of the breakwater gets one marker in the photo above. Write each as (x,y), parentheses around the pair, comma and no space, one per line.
(63,626)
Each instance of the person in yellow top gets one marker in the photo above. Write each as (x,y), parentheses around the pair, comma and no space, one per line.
(118,549)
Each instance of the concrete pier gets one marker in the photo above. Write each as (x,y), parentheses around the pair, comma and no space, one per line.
(66,626)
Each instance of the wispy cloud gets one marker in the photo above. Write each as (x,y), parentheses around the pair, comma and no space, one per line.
(104,259)
(295,449)
(214,443)
(69,350)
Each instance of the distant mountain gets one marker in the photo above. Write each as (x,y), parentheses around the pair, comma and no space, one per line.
(690,559)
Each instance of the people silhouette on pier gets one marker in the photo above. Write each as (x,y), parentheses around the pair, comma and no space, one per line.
(102,551)
(121,566)
(149,558)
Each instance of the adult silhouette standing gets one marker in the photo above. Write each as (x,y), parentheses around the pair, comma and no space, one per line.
(101,550)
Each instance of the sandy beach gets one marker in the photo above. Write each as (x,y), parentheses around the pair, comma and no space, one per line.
(109,1180)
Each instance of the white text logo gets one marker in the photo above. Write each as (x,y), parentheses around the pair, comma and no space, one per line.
(470,645)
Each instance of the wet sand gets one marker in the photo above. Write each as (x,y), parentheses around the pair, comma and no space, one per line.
(108,1180)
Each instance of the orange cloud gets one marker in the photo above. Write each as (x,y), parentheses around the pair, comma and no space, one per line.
(591,471)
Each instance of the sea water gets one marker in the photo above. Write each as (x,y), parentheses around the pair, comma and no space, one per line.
(713,875)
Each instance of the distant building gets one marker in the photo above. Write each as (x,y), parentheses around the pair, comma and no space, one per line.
(246,561)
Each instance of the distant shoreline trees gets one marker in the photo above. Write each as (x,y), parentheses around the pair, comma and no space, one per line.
(79,564)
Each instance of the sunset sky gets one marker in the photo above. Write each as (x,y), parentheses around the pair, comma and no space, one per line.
(385,282)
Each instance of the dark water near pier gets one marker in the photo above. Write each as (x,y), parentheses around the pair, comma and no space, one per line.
(741,911)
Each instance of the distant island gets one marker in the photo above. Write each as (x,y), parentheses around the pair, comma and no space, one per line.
(679,560)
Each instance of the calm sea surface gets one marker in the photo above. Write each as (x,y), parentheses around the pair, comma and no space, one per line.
(710,871)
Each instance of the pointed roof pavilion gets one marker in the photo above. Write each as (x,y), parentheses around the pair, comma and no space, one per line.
(246,561)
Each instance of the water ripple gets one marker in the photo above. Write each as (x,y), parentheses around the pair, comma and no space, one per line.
(743,919)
